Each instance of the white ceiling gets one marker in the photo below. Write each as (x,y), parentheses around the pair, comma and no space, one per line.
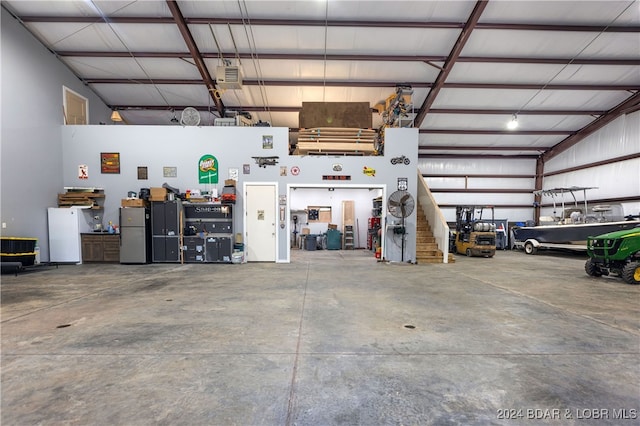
(565,67)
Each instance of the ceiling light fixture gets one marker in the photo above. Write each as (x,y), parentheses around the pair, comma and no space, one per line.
(513,124)
(115,116)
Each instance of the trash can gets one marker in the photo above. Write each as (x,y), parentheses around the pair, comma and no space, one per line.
(334,239)
(310,241)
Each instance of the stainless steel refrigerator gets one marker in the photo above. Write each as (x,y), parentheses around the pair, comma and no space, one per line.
(135,235)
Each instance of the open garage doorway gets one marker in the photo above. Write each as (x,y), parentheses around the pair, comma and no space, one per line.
(327,218)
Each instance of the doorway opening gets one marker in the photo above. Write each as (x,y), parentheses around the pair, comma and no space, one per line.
(335,217)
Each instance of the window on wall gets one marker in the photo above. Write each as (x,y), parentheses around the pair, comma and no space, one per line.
(319,214)
(75,107)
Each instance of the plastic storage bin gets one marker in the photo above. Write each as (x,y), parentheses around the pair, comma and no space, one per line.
(18,249)
(334,239)
(310,242)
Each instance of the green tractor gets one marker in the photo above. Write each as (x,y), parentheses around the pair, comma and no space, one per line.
(617,252)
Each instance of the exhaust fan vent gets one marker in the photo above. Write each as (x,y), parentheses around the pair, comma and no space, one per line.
(228,77)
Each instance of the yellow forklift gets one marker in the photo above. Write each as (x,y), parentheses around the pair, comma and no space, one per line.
(475,236)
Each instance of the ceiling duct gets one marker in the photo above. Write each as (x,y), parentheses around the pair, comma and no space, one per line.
(228,77)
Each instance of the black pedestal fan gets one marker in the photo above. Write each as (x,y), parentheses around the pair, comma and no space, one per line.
(401,205)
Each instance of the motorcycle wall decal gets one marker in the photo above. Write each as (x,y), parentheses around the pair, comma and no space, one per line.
(400,160)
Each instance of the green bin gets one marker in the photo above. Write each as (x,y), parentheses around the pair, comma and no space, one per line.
(334,239)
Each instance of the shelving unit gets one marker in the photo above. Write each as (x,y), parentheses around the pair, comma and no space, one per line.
(373,239)
(78,196)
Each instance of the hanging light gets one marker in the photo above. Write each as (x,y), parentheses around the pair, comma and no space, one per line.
(513,124)
(115,116)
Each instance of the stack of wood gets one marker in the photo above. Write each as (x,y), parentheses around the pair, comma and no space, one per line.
(80,198)
(336,140)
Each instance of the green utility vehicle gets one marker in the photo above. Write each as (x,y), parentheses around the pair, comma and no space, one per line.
(617,252)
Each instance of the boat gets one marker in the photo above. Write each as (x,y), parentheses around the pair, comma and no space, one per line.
(574,225)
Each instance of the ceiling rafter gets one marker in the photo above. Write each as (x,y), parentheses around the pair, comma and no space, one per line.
(451,60)
(480,148)
(458,24)
(336,23)
(354,57)
(352,83)
(485,156)
(195,54)
(495,132)
(373,110)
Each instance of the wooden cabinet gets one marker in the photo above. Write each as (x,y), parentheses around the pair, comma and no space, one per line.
(100,247)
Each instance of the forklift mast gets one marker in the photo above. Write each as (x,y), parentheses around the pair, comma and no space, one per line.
(466,216)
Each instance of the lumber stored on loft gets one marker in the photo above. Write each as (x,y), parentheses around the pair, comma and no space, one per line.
(335,140)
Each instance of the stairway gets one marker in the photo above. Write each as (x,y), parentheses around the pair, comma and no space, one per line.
(426,247)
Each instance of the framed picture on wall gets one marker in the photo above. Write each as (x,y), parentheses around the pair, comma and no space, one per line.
(267,141)
(143,173)
(170,172)
(110,162)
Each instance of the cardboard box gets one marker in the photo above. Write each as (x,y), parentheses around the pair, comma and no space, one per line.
(332,226)
(229,182)
(158,194)
(134,202)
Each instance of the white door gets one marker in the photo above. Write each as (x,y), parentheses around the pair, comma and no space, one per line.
(260,230)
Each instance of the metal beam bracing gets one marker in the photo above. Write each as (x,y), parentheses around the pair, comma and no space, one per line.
(481,148)
(178,19)
(355,57)
(389,84)
(451,60)
(373,110)
(339,23)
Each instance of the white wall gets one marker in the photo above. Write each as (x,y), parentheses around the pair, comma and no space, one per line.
(617,180)
(32,81)
(470,167)
(182,147)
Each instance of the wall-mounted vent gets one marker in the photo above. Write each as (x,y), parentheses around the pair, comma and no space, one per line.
(228,77)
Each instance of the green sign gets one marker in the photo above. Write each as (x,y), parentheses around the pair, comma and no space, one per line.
(208,169)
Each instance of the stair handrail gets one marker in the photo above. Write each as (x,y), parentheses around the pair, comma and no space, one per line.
(434,215)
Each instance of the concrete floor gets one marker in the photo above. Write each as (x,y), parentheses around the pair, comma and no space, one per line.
(321,341)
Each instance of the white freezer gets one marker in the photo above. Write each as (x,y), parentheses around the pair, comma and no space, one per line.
(65,227)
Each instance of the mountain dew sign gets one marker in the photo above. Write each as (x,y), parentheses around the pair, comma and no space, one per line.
(208,169)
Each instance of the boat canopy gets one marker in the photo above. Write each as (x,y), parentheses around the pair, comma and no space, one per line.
(570,189)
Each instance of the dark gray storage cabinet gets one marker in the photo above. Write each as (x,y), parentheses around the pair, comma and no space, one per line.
(165,230)
(218,249)
(193,249)
(208,231)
